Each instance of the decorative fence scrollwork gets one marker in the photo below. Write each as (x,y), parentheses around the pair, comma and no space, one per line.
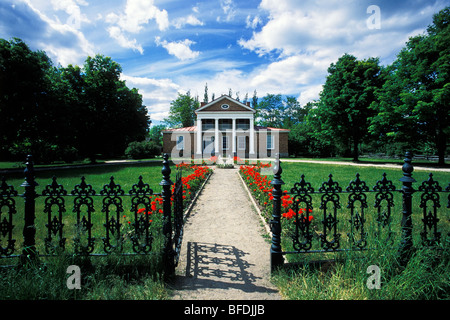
(430,202)
(62,228)
(383,195)
(330,221)
(112,207)
(142,237)
(357,189)
(83,193)
(363,231)
(7,201)
(54,194)
(302,237)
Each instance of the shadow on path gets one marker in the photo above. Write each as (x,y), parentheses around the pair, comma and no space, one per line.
(216,266)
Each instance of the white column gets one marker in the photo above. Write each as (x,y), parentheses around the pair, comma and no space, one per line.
(199,137)
(233,138)
(216,136)
(252,137)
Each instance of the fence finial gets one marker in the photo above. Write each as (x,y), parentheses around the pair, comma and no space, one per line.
(166,171)
(277,170)
(407,168)
(29,172)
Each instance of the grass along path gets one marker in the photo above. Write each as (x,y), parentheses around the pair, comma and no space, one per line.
(109,277)
(425,277)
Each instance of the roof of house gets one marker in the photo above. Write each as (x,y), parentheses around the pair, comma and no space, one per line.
(194,128)
(185,129)
(226,97)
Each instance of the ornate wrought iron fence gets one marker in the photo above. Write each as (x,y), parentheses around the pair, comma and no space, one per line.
(327,234)
(137,236)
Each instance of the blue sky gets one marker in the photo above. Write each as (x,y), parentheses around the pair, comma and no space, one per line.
(170,46)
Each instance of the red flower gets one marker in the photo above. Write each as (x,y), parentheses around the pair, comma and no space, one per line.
(291,214)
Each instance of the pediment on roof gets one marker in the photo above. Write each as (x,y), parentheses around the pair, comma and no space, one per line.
(224,104)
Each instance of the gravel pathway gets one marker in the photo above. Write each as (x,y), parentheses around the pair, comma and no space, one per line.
(224,255)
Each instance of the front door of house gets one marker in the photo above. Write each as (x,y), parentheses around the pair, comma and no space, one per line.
(208,146)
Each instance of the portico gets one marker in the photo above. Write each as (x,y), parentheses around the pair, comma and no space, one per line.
(226,124)
(225,127)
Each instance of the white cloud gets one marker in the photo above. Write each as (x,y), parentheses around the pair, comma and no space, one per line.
(191,20)
(116,33)
(72,8)
(54,39)
(156,93)
(304,37)
(252,23)
(143,81)
(179,49)
(229,9)
(302,28)
(139,13)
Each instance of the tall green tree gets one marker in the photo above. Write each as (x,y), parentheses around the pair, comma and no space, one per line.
(205,95)
(412,107)
(25,96)
(269,110)
(344,102)
(182,111)
(255,100)
(115,113)
(156,135)
(59,113)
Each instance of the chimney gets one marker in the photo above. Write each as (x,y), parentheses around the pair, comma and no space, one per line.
(202,104)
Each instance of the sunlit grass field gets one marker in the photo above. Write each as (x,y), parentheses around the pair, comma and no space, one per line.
(343,277)
(103,277)
(344,274)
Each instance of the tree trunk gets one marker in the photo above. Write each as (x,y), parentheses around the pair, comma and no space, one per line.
(355,150)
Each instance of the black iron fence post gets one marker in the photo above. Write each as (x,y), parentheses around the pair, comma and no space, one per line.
(166,183)
(406,242)
(29,229)
(276,256)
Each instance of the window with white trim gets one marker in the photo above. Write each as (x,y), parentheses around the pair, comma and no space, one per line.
(180,143)
(270,142)
(225,145)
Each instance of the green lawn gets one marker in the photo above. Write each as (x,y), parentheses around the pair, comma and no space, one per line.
(110,277)
(97,177)
(425,277)
(118,277)
(318,173)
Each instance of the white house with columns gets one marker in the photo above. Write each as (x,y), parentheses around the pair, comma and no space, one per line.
(225,126)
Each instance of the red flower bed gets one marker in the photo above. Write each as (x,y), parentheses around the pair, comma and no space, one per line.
(191,184)
(261,190)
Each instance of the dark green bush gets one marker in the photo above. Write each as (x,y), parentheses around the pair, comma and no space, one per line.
(142,149)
